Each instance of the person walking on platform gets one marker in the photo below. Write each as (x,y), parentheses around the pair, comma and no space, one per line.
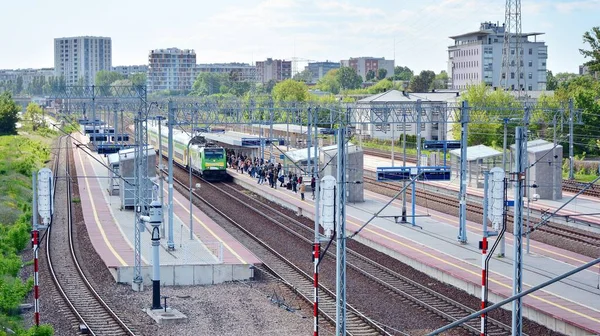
(281,179)
(302,190)
(313,185)
(294,184)
(260,175)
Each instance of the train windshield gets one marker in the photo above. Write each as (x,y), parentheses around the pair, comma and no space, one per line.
(213,154)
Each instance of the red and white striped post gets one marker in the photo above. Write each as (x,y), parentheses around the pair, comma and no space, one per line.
(317,247)
(484,246)
(36,291)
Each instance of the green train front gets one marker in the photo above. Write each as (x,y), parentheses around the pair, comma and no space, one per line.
(210,161)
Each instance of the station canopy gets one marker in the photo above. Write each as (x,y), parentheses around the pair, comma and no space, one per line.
(479,152)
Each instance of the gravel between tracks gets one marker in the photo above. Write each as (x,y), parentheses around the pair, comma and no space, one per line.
(372,300)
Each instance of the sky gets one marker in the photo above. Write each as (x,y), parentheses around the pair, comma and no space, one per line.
(414,33)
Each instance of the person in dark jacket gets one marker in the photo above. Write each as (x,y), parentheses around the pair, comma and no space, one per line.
(294,184)
(313,185)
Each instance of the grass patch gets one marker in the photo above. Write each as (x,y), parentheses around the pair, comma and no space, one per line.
(76,200)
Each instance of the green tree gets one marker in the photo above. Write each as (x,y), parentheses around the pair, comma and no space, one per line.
(348,78)
(381,74)
(440,81)
(370,75)
(593,39)
(486,105)
(208,83)
(34,113)
(138,79)
(422,82)
(19,85)
(8,114)
(403,73)
(290,90)
(303,76)
(268,86)
(551,82)
(381,86)
(329,82)
(105,78)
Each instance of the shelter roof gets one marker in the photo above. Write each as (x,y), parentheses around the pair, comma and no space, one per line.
(395,96)
(477,152)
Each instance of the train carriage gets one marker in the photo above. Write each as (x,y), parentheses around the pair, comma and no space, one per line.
(206,159)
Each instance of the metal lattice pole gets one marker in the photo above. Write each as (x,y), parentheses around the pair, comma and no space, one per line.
(518,226)
(341,235)
(464,132)
(511,62)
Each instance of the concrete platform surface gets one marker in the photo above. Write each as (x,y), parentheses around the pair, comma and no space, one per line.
(212,256)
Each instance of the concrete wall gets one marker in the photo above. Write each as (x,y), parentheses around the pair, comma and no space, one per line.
(186,275)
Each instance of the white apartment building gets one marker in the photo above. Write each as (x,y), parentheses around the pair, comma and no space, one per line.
(171,69)
(127,70)
(476,57)
(238,71)
(82,57)
(362,65)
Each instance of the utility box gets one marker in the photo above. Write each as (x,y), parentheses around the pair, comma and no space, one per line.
(546,173)
(127,181)
(354,170)
(113,174)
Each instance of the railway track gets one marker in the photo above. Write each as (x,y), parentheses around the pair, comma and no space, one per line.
(94,315)
(393,282)
(476,208)
(298,280)
(567,185)
(397,285)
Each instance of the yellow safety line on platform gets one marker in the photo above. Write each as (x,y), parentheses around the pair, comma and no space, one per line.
(106,240)
(476,273)
(212,233)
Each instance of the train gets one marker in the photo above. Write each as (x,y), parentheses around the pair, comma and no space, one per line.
(205,158)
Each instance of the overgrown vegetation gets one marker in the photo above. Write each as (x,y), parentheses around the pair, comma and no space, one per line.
(19,156)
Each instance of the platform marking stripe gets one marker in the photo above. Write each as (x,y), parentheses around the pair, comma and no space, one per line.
(212,233)
(475,273)
(106,240)
(476,229)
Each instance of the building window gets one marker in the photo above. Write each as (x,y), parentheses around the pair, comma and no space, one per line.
(530,76)
(512,51)
(512,75)
(530,88)
(530,64)
(521,75)
(530,51)
(503,75)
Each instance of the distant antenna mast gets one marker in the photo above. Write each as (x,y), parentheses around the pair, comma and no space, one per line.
(512,50)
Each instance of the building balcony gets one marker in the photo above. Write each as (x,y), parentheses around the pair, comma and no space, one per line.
(462,44)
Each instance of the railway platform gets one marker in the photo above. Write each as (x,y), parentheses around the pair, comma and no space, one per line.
(571,306)
(212,256)
(582,210)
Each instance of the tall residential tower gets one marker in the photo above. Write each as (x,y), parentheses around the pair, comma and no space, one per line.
(82,57)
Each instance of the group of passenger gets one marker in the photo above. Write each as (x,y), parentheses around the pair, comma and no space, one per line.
(271,173)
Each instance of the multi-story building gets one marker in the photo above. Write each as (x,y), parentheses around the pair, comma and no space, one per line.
(362,65)
(476,57)
(26,75)
(271,69)
(319,69)
(82,57)
(171,69)
(236,71)
(127,70)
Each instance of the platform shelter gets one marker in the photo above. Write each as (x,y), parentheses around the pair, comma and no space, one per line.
(480,158)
